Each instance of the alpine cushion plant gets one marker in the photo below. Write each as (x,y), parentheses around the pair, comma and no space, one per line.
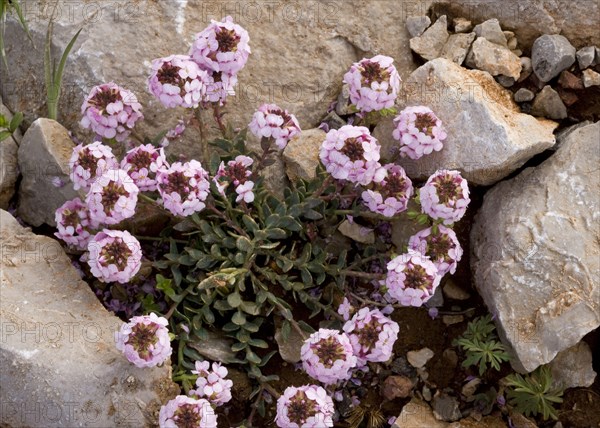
(239,262)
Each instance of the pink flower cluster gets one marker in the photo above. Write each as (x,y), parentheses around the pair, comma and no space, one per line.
(110,111)
(74,224)
(270,121)
(445,196)
(351,153)
(89,162)
(208,74)
(306,406)
(419,132)
(372,335)
(222,47)
(114,255)
(183,187)
(412,278)
(328,357)
(211,384)
(184,411)
(391,195)
(177,81)
(144,340)
(112,197)
(236,172)
(373,83)
(442,248)
(141,164)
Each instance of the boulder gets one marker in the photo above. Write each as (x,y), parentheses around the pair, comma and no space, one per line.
(44,156)
(60,364)
(535,252)
(528,19)
(300,52)
(488,136)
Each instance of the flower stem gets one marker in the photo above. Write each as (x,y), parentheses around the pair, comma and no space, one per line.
(219,119)
(323,187)
(363,214)
(154,238)
(148,199)
(364,275)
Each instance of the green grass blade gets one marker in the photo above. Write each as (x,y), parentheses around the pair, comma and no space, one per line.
(63,59)
(49,72)
(2,23)
(17,6)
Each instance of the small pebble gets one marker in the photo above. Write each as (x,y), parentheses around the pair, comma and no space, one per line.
(590,78)
(396,387)
(524,95)
(452,319)
(586,56)
(570,81)
(526,68)
(548,104)
(470,387)
(446,408)
(426,393)
(568,97)
(505,81)
(462,25)
(450,358)
(419,358)
(453,291)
